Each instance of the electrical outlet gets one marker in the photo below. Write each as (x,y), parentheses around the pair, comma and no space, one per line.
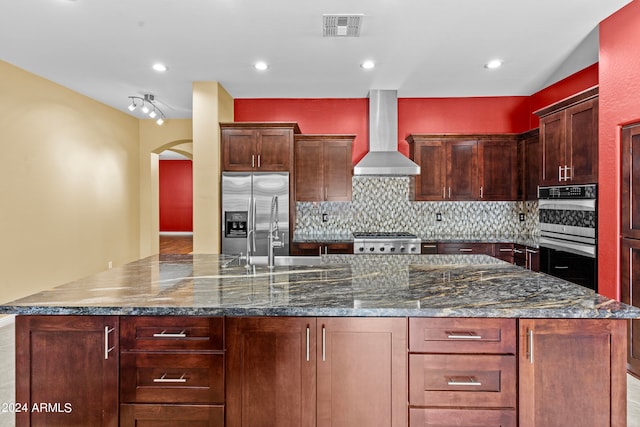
(325,217)
(438,216)
(521,217)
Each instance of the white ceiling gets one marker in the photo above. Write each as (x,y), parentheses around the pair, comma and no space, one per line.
(423,48)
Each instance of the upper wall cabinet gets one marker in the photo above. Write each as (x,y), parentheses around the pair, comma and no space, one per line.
(323,168)
(264,147)
(464,167)
(569,138)
(528,165)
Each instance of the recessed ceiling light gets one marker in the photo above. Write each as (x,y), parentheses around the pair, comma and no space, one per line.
(159,67)
(367,65)
(261,65)
(495,63)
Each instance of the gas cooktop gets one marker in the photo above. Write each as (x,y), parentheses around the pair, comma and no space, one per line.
(385,242)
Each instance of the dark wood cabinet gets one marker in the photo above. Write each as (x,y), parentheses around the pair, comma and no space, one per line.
(630,241)
(462,170)
(271,373)
(630,287)
(362,372)
(321,248)
(323,167)
(266,147)
(172,370)
(526,257)
(529,157)
(569,140)
(316,372)
(461,248)
(70,365)
(497,161)
(462,372)
(448,167)
(572,372)
(505,252)
(465,167)
(630,197)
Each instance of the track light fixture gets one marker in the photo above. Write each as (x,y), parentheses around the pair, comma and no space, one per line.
(148,106)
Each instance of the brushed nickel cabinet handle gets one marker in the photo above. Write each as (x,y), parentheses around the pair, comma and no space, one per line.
(530,332)
(481,192)
(308,333)
(259,164)
(507,250)
(324,342)
(560,173)
(463,335)
(253,160)
(449,192)
(164,334)
(107,349)
(465,250)
(470,381)
(444,192)
(164,379)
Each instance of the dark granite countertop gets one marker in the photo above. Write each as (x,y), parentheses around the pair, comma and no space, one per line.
(343,285)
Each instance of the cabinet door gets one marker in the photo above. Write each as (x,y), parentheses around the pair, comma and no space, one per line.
(172,415)
(337,171)
(274,150)
(309,171)
(630,199)
(271,366)
(462,170)
(572,372)
(432,158)
(497,169)
(362,372)
(582,142)
(238,149)
(532,167)
(630,287)
(552,137)
(69,364)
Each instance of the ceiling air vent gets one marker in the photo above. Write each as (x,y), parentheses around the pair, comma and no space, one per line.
(341,25)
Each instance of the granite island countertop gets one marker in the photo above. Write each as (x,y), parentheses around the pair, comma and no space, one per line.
(343,285)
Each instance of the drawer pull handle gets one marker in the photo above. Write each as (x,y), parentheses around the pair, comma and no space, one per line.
(164,334)
(463,381)
(465,250)
(164,379)
(506,249)
(463,335)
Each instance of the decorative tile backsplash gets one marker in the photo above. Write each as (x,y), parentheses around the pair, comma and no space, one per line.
(384,204)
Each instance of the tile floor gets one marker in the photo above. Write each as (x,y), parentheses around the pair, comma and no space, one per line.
(7,369)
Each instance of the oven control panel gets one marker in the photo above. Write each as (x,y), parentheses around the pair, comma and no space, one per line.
(587,191)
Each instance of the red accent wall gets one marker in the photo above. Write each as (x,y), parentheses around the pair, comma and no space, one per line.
(176,195)
(415,115)
(619,104)
(575,83)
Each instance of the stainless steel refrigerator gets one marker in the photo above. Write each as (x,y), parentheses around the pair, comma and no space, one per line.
(246,206)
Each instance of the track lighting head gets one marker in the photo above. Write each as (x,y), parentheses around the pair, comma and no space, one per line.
(148,107)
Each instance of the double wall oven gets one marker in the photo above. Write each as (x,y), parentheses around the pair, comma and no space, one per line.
(568,233)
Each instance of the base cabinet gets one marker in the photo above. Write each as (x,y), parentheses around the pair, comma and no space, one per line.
(69,364)
(572,373)
(336,372)
(171,415)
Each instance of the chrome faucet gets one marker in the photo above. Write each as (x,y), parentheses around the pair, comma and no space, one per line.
(274,239)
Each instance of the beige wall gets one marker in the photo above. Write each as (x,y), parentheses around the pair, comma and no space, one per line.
(69,184)
(211,105)
(153,140)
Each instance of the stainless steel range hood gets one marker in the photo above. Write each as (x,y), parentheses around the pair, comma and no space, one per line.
(383,157)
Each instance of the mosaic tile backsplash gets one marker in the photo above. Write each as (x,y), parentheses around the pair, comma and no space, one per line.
(384,204)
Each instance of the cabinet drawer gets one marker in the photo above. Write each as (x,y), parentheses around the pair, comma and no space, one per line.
(171,333)
(466,248)
(486,381)
(419,417)
(171,378)
(172,415)
(504,251)
(462,335)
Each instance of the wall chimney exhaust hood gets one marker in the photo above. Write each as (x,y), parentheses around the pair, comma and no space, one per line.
(383,157)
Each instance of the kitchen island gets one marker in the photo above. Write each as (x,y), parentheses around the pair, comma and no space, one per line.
(351,340)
